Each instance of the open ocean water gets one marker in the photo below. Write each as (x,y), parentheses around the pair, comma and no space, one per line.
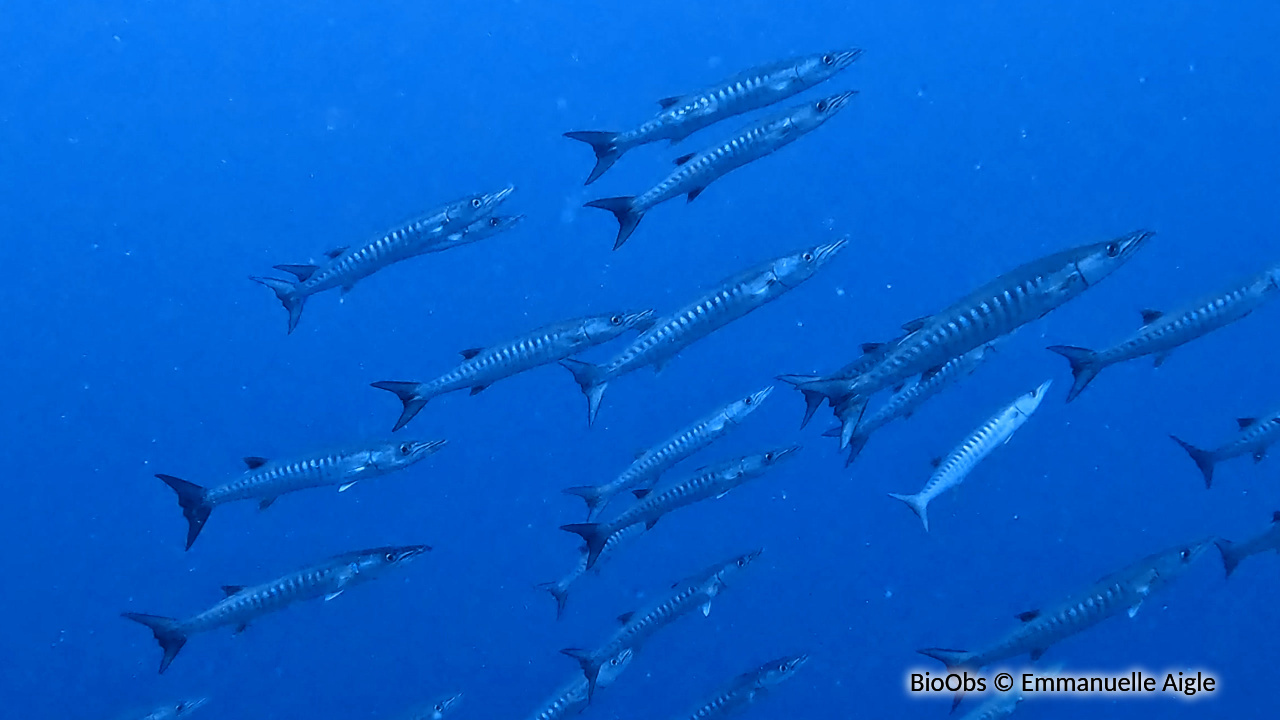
(155,154)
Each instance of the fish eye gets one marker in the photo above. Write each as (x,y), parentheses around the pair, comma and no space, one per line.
(494,222)
(747,401)
(827,60)
(390,557)
(1185,554)
(742,562)
(439,707)
(405,449)
(808,257)
(782,667)
(616,320)
(1113,249)
(768,456)
(475,203)
(822,106)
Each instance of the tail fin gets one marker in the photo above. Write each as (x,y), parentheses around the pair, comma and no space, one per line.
(1084,367)
(628,217)
(856,443)
(953,659)
(605,145)
(812,398)
(195,508)
(592,495)
(1230,556)
(594,534)
(1203,459)
(168,633)
(850,419)
(285,293)
(918,506)
(408,393)
(561,594)
(589,668)
(589,378)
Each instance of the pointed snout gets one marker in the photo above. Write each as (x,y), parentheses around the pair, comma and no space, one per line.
(1134,240)
(759,397)
(409,552)
(845,58)
(824,253)
(836,102)
(783,453)
(423,448)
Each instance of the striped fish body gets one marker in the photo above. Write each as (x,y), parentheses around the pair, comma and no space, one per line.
(617,540)
(728,702)
(436,710)
(172,711)
(747,688)
(998,707)
(1256,436)
(571,699)
(247,604)
(275,478)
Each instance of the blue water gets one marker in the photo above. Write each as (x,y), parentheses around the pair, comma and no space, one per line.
(156,154)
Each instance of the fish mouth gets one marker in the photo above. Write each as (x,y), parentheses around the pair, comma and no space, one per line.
(781,454)
(1198,548)
(409,552)
(1134,240)
(798,661)
(836,102)
(195,704)
(642,319)
(823,253)
(759,397)
(449,702)
(496,198)
(422,448)
(845,58)
(506,221)
(1044,387)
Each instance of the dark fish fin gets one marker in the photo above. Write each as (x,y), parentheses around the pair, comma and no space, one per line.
(1029,615)
(1275,516)
(589,379)
(625,617)
(595,535)
(409,397)
(1037,653)
(302,272)
(191,498)
(1203,459)
(648,525)
(230,590)
(1150,316)
(850,421)
(856,443)
(253,462)
(240,628)
(628,219)
(265,503)
(284,291)
(667,102)
(898,388)
(561,596)
(947,656)
(336,252)
(477,389)
(1084,367)
(684,158)
(640,453)
(833,432)
(168,633)
(589,668)
(1245,422)
(641,493)
(604,144)
(1230,557)
(914,325)
(591,494)
(694,193)
(1160,358)
(935,462)
(868,348)
(924,376)
(812,398)
(470,353)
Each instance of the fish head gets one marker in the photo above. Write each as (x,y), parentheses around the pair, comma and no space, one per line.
(738,410)
(492,225)
(465,211)
(397,455)
(810,116)
(758,463)
(1168,565)
(1270,280)
(603,328)
(613,667)
(1099,260)
(375,561)
(813,69)
(731,568)
(183,708)
(793,269)
(1028,403)
(441,707)
(776,671)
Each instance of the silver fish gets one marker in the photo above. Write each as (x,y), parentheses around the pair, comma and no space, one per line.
(560,588)
(710,482)
(168,711)
(871,354)
(435,710)
(698,170)
(993,433)
(571,698)
(349,264)
(481,367)
(997,308)
(1257,434)
(732,299)
(682,115)
(747,688)
(265,480)
(646,468)
(997,707)
(242,605)
(1233,553)
(1161,333)
(637,627)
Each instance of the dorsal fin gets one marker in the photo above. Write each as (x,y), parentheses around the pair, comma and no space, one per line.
(667,102)
(936,462)
(253,462)
(1029,615)
(302,272)
(685,158)
(1245,422)
(336,252)
(470,353)
(1275,516)
(640,453)
(915,325)
(694,193)
(625,617)
(232,589)
(641,493)
(477,389)
(868,348)
(1150,316)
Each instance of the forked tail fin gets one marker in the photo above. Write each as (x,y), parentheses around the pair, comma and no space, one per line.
(623,208)
(192,500)
(410,397)
(605,146)
(591,379)
(285,292)
(1084,367)
(1204,459)
(168,632)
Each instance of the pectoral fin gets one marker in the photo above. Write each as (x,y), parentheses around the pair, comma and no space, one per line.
(332,595)
(346,486)
(706,608)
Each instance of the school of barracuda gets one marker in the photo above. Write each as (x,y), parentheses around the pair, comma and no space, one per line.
(932,354)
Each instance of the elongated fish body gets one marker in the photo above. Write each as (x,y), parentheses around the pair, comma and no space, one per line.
(711,482)
(871,354)
(997,707)
(907,400)
(242,605)
(733,299)
(698,170)
(265,480)
(347,265)
(1233,553)
(990,435)
(1257,435)
(1161,332)
(560,588)
(749,90)
(747,688)
(571,698)
(437,709)
(169,711)
(649,466)
(997,308)
(473,233)
(481,367)
(1121,592)
(695,592)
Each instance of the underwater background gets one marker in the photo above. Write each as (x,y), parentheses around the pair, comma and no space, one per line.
(156,154)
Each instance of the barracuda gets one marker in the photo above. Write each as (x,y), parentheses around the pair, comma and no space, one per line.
(265,480)
(990,435)
(436,710)
(682,115)
(747,688)
(1257,434)
(698,170)
(710,482)
(481,367)
(1233,553)
(997,308)
(242,605)
(637,627)
(906,401)
(871,354)
(571,698)
(1120,592)
(733,299)
(1161,333)
(650,465)
(560,588)
(431,232)
(171,711)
